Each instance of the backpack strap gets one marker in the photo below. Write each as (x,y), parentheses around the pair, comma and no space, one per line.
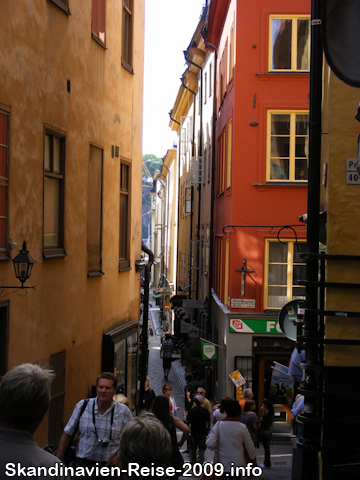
(84,405)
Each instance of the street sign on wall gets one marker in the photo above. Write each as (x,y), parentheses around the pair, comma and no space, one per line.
(254,326)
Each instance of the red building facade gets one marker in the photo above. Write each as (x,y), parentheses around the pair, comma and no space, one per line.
(260,180)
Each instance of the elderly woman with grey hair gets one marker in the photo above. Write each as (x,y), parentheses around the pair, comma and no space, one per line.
(145,442)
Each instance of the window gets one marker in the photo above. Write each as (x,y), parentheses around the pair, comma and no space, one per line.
(289,43)
(98,20)
(127,34)
(54,186)
(287,146)
(282,272)
(231,54)
(94,211)
(4,156)
(229,155)
(124,260)
(205,87)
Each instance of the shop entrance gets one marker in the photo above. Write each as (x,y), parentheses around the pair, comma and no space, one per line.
(266,352)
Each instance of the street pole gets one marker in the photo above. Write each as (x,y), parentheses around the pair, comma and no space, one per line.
(313,361)
(144,331)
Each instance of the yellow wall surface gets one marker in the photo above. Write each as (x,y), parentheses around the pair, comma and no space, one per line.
(42,47)
(341,131)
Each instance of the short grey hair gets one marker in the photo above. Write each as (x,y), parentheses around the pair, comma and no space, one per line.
(25,393)
(145,441)
(247,393)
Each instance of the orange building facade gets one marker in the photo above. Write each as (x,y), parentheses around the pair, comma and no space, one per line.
(260,182)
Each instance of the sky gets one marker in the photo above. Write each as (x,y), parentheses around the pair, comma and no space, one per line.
(169,27)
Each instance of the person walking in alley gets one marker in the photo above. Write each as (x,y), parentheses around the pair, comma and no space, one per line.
(199,422)
(25,393)
(100,426)
(206,403)
(166,351)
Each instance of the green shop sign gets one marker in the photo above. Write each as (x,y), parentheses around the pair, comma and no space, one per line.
(254,326)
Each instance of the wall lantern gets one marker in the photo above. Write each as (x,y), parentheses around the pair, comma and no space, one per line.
(23,264)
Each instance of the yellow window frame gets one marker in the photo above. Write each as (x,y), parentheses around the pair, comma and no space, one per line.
(292,136)
(289,273)
(294,52)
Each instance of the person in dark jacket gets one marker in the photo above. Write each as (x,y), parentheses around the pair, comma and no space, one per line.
(149,395)
(199,421)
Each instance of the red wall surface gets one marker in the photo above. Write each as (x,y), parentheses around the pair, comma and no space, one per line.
(249,96)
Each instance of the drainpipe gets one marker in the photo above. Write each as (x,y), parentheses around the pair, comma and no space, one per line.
(144,330)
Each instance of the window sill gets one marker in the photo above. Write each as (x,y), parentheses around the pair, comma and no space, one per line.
(61,5)
(282,184)
(95,274)
(267,75)
(127,66)
(54,253)
(4,257)
(97,40)
(124,265)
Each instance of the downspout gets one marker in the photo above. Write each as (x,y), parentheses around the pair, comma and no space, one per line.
(192,189)
(200,154)
(144,329)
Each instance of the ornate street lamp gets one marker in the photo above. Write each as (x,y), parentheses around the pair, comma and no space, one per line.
(23,264)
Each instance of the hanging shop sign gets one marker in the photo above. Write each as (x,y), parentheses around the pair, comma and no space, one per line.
(254,326)
(193,303)
(237,379)
(208,350)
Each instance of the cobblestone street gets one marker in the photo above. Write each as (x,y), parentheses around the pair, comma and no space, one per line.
(281,455)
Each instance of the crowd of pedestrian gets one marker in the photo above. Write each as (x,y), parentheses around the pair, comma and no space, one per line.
(109,435)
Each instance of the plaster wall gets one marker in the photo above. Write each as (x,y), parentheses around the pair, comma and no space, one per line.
(42,47)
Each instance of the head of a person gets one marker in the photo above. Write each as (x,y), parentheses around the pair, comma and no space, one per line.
(146,442)
(248,394)
(167,336)
(119,397)
(188,389)
(147,383)
(249,406)
(167,390)
(25,393)
(198,399)
(161,409)
(106,384)
(268,406)
(233,409)
(201,391)
(223,404)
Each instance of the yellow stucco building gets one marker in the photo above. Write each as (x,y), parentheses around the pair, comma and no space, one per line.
(71,77)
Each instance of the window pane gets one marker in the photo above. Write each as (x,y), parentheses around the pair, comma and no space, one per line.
(280,124)
(301,171)
(94,210)
(277,274)
(57,155)
(278,252)
(279,169)
(298,292)
(102,21)
(126,37)
(301,124)
(47,153)
(51,211)
(123,226)
(2,217)
(300,248)
(3,153)
(280,146)
(303,45)
(299,273)
(3,129)
(281,44)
